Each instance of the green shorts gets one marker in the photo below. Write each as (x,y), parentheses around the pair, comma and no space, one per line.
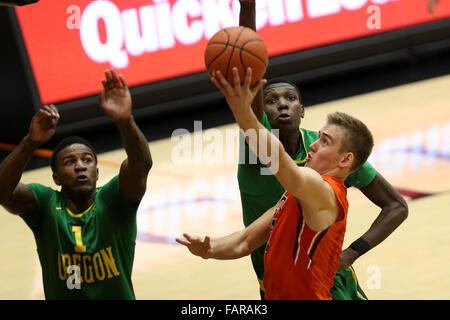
(346,286)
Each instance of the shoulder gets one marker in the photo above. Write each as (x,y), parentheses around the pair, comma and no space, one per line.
(41,193)
(111,196)
(265,121)
(308,137)
(310,133)
(110,188)
(339,189)
(334,182)
(44,201)
(362,177)
(40,187)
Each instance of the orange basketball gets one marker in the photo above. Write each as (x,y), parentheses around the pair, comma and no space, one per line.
(239,47)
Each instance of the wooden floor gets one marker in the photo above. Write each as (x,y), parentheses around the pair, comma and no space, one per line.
(411,126)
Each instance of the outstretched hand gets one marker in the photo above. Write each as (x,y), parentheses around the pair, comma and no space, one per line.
(43,125)
(239,96)
(115,98)
(197,246)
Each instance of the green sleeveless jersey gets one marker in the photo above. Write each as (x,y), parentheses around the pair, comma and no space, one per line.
(88,255)
(260,192)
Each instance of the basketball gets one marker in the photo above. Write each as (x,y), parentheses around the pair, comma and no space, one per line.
(238,47)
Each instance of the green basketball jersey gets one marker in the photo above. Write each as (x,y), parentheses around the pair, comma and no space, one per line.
(259,192)
(88,255)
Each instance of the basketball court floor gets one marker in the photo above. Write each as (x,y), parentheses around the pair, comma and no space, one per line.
(192,188)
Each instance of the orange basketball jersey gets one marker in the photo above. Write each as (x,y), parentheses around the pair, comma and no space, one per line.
(300,263)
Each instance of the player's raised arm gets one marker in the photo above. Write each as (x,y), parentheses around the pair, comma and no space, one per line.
(247,18)
(247,14)
(115,101)
(15,196)
(304,184)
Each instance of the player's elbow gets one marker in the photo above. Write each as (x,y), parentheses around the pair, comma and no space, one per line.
(399,210)
(4,197)
(148,161)
(141,164)
(403,210)
(247,244)
(147,165)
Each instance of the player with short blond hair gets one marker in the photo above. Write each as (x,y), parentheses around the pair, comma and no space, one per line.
(304,231)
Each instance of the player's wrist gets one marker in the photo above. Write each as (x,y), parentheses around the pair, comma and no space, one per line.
(360,246)
(124,121)
(245,118)
(30,145)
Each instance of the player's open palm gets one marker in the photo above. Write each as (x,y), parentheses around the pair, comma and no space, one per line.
(197,246)
(115,98)
(239,96)
(43,125)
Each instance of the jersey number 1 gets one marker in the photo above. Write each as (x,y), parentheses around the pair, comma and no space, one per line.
(79,242)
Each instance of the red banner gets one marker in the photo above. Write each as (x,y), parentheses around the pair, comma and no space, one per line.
(70,43)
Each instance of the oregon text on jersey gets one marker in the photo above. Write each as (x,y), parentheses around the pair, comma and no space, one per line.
(93,267)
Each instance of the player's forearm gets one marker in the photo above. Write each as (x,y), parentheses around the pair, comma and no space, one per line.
(247,18)
(389,219)
(260,140)
(247,14)
(244,242)
(135,145)
(230,247)
(394,210)
(303,183)
(267,147)
(12,167)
